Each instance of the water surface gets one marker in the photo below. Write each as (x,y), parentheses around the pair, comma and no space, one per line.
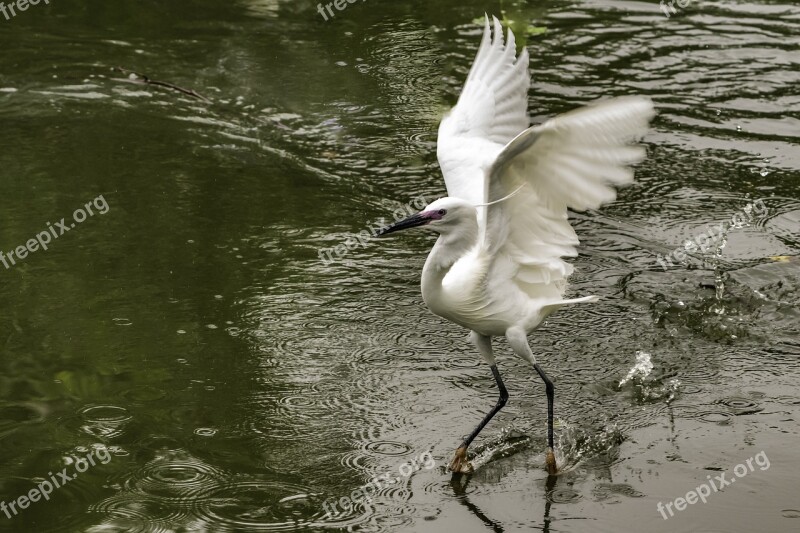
(236,382)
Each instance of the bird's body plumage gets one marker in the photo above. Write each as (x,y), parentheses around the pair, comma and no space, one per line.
(498,265)
(456,285)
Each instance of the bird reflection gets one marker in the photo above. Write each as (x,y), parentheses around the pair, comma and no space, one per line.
(459,483)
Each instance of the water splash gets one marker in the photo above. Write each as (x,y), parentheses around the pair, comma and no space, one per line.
(719,274)
(641,368)
(509,442)
(573,445)
(646,387)
(577,444)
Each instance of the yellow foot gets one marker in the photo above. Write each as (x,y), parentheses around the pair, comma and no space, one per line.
(459,464)
(550,462)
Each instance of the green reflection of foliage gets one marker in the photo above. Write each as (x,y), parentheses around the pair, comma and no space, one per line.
(519,18)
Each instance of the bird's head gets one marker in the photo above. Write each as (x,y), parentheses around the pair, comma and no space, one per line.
(441,216)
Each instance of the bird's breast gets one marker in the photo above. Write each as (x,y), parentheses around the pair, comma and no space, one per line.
(459,294)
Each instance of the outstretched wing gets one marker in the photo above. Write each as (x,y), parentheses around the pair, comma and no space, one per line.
(571,161)
(490,112)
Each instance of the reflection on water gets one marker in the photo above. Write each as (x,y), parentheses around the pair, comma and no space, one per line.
(238,382)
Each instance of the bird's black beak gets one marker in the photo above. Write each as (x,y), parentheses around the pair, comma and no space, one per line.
(411,222)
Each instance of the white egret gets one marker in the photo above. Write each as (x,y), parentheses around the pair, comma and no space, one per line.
(497,267)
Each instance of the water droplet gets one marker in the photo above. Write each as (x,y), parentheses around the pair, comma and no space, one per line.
(672,389)
(719,288)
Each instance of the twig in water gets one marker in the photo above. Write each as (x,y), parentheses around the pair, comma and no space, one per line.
(145,80)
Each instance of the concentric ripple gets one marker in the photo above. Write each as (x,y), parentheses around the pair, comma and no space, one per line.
(388,448)
(741,406)
(168,490)
(104,421)
(254,505)
(139,514)
(563,495)
(176,477)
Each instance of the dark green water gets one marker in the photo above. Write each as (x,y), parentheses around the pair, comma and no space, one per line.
(224,378)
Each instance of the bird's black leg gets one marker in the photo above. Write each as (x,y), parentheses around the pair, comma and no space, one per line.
(501,401)
(548,385)
(459,462)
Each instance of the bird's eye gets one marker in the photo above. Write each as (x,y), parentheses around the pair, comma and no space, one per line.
(442,212)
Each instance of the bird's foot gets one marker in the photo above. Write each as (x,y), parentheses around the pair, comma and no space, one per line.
(550,462)
(459,464)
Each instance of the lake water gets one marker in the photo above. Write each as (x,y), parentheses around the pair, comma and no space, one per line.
(187,338)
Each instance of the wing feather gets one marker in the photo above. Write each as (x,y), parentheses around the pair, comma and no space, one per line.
(572,161)
(490,112)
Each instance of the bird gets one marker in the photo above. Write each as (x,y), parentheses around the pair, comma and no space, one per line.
(498,265)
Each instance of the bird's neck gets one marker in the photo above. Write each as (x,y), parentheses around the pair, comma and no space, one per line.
(449,248)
